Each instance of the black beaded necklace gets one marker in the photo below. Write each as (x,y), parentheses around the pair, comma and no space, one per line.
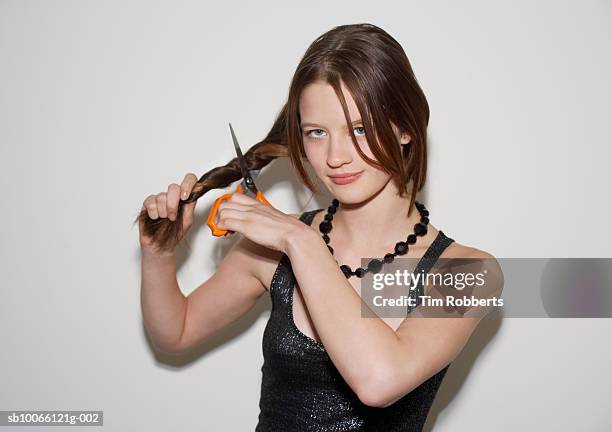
(375,265)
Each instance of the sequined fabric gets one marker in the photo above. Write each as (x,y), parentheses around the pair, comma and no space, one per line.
(301,389)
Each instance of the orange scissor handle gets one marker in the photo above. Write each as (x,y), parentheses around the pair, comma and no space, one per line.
(218,232)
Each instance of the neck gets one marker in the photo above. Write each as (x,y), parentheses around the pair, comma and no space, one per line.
(383,217)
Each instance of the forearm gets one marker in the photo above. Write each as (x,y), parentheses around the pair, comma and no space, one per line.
(361,348)
(163,304)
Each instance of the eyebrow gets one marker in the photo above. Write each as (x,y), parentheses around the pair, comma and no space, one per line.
(303,125)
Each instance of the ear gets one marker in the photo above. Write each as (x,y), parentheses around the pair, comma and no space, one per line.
(405,139)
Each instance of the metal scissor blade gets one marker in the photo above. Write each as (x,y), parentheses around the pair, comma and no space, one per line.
(247,182)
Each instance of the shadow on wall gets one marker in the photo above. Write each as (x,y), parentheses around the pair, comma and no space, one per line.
(462,365)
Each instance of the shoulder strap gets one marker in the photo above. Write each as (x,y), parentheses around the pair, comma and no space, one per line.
(308,216)
(441,242)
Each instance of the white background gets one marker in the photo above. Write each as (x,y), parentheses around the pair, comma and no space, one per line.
(105,102)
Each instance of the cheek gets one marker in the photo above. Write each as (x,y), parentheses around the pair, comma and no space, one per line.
(380,176)
(314,154)
(376,176)
(365,147)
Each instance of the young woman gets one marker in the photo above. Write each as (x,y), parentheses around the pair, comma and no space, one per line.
(357,115)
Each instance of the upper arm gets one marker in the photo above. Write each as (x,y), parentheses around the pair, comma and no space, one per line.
(228,294)
(428,344)
(224,297)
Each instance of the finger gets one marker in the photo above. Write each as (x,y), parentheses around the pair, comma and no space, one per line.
(151,206)
(188,214)
(242,198)
(232,224)
(237,211)
(230,213)
(227,204)
(187,184)
(160,201)
(172,200)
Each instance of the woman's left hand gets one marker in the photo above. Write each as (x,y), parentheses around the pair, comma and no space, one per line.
(259,222)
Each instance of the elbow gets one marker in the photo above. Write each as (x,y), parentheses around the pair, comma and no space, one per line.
(170,349)
(376,389)
(178,347)
(371,399)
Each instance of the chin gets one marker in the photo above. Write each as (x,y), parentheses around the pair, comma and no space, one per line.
(357,192)
(350,194)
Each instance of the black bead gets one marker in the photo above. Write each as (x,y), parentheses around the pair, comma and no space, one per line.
(401,248)
(346,270)
(420,229)
(389,258)
(325,227)
(375,266)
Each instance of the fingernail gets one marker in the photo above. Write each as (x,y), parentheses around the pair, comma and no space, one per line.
(184,194)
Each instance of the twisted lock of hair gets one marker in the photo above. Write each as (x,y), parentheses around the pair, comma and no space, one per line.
(165,234)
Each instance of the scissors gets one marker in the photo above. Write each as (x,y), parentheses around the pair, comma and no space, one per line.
(247,186)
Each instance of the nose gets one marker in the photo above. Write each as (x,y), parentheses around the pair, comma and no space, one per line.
(339,151)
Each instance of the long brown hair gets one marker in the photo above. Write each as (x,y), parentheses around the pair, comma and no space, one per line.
(375,69)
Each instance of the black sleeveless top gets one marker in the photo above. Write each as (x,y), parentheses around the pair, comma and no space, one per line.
(301,389)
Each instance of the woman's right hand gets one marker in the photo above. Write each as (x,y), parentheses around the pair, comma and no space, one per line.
(165,204)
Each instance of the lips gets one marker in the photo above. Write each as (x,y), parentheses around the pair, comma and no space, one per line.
(345,174)
(345,178)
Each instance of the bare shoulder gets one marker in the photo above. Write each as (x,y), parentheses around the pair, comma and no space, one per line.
(262,260)
(487,263)
(458,250)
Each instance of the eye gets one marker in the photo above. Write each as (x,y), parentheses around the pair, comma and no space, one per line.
(308,132)
(363,130)
(360,132)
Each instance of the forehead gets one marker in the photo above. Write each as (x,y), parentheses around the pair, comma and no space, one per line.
(319,104)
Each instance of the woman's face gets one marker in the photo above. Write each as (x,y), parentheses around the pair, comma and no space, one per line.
(328,144)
